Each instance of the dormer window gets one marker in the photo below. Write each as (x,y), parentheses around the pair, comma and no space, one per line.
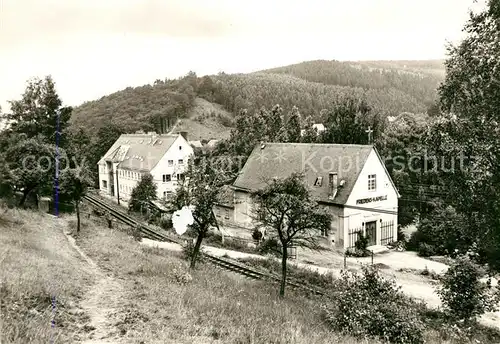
(372,182)
(318,182)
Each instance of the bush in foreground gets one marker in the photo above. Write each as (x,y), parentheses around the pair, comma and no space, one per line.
(464,295)
(371,306)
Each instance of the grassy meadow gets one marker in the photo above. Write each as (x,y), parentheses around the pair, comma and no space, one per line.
(165,304)
(159,299)
(36,264)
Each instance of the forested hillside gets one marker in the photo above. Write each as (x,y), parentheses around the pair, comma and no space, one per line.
(417,79)
(252,91)
(388,87)
(137,108)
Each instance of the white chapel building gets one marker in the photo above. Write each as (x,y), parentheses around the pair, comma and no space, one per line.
(164,156)
(351,181)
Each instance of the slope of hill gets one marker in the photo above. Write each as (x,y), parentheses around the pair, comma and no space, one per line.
(134,108)
(389,87)
(418,79)
(206,120)
(428,67)
(252,91)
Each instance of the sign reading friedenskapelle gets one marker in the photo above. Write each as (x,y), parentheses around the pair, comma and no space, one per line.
(371,199)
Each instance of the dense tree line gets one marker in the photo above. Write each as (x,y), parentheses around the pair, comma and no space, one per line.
(470,100)
(252,91)
(416,82)
(136,108)
(40,156)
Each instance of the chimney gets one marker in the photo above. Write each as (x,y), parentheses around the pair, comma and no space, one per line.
(184,134)
(333,184)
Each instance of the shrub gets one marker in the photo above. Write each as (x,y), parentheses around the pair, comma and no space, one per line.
(463,294)
(137,233)
(443,228)
(256,235)
(226,121)
(305,276)
(238,245)
(401,234)
(165,223)
(230,243)
(426,250)
(369,305)
(270,246)
(182,276)
(355,252)
(361,243)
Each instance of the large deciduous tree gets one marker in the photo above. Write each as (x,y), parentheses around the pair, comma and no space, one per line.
(470,100)
(31,164)
(286,209)
(347,122)
(402,145)
(39,112)
(201,190)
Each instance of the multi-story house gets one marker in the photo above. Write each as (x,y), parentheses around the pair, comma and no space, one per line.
(165,157)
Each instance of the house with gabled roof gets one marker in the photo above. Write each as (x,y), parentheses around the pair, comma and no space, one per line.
(350,181)
(164,156)
(196,144)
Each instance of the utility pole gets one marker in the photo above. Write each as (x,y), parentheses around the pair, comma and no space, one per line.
(369,131)
(117,187)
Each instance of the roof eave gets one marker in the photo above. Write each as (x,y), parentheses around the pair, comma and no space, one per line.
(224,205)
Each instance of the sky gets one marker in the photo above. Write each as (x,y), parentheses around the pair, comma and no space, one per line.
(92,48)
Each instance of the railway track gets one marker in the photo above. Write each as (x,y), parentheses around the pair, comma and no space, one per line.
(128,220)
(218,261)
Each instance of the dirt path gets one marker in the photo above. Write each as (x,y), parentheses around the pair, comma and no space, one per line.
(101,303)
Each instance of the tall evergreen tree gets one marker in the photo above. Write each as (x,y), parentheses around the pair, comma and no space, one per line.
(143,193)
(293,125)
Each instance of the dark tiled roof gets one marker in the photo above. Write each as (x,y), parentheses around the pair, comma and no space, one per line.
(138,152)
(280,160)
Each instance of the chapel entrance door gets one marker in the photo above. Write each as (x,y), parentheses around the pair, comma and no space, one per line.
(371,232)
